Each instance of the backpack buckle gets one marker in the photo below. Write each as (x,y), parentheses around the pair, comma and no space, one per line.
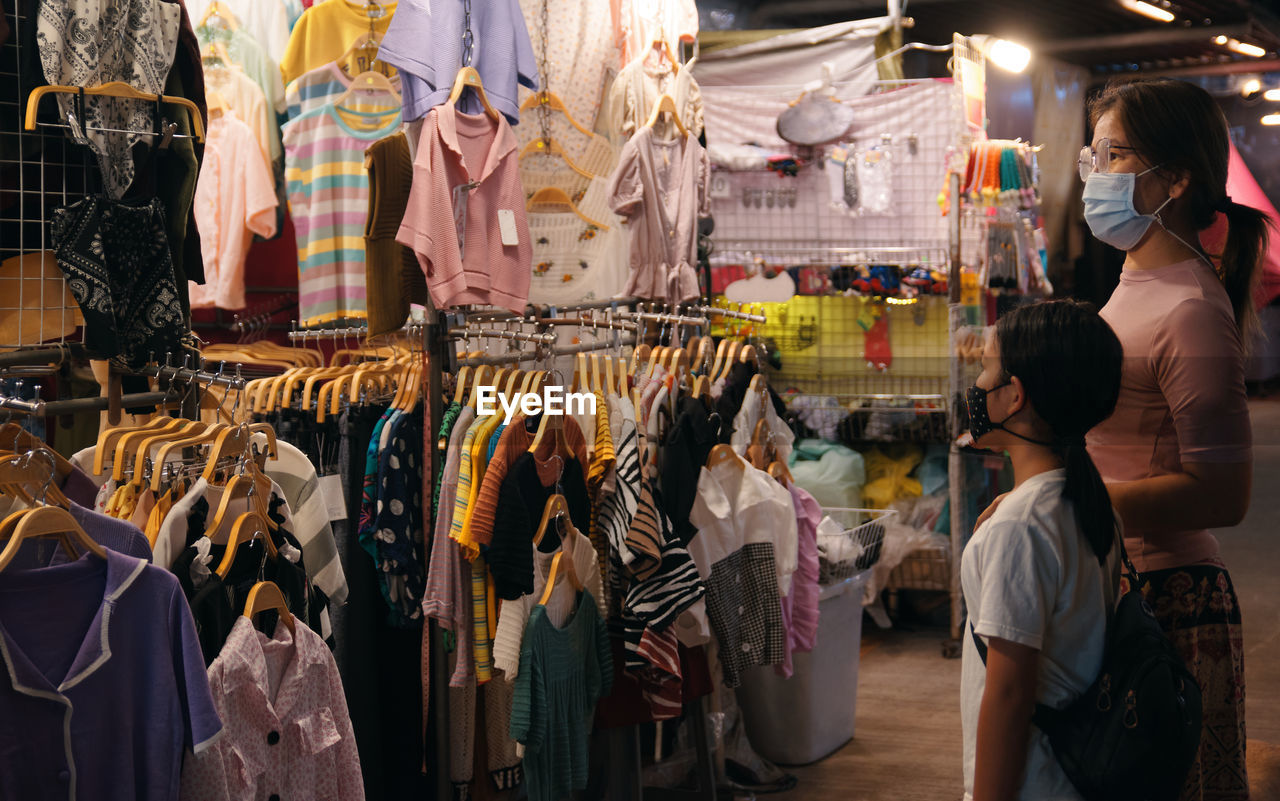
(1104,697)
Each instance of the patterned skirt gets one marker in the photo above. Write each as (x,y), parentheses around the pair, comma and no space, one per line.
(1198,608)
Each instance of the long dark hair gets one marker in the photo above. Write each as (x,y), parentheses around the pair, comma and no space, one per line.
(1069,362)
(1178,126)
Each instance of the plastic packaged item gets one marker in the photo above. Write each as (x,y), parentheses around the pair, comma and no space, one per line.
(875,181)
(831,473)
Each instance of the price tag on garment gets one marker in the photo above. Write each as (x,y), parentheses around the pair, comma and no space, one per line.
(507,225)
(334,499)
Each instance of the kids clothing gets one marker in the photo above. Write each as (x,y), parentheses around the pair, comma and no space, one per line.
(1030,577)
(329,199)
(466,213)
(563,673)
(235,199)
(325,31)
(425,43)
(1182,394)
(661,188)
(325,84)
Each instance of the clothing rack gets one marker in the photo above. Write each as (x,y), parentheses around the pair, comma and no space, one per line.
(39,408)
(493,333)
(194,376)
(716,311)
(525,356)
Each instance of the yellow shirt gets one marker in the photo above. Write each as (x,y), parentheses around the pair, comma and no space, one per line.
(325,31)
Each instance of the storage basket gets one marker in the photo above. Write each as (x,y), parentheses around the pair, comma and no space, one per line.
(863,528)
(927,568)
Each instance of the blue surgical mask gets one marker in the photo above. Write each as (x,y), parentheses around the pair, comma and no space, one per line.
(1109,211)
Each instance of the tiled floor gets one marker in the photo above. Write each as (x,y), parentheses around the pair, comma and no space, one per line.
(907,744)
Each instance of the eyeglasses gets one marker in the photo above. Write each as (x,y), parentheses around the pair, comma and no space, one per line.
(1097,160)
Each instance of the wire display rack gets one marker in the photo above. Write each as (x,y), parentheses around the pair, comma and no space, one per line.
(886,355)
(39,171)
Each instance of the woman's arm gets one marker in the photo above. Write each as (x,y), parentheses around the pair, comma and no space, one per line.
(1203,495)
(1004,720)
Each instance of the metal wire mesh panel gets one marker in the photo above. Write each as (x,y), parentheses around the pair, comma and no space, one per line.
(800,219)
(39,171)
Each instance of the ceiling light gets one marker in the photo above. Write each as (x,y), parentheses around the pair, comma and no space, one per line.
(1271,119)
(1271,94)
(1251,87)
(1008,55)
(1148,10)
(1243,48)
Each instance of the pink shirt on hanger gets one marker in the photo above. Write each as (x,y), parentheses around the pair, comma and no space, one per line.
(235,199)
(472,157)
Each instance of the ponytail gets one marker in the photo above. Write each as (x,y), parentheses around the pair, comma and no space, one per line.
(1089,498)
(1247,233)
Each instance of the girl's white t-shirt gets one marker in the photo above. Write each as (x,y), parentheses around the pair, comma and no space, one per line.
(1030,577)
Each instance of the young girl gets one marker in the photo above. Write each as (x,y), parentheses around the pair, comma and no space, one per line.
(1040,574)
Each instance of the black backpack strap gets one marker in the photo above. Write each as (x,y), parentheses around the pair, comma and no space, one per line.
(1045,717)
(978,643)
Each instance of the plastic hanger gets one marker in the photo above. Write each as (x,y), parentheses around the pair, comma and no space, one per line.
(113,89)
(247,527)
(264,596)
(367,81)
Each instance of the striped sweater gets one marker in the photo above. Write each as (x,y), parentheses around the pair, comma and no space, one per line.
(329,199)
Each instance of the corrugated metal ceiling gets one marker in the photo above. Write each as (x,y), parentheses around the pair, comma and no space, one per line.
(1100,34)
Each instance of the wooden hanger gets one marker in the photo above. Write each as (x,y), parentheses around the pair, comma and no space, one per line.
(552,102)
(19,480)
(555,506)
(468,77)
(556,561)
(666,104)
(725,454)
(554,195)
(550,147)
(483,376)
(250,483)
(781,473)
(45,522)
(112,89)
(247,527)
(266,595)
(552,425)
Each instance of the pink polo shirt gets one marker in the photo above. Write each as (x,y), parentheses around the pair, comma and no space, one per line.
(456,149)
(1182,395)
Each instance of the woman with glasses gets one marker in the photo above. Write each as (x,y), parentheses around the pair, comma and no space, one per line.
(1177,453)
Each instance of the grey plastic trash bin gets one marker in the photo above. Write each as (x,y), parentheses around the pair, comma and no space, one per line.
(803,719)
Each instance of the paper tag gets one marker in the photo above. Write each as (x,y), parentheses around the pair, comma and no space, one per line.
(507,225)
(335,502)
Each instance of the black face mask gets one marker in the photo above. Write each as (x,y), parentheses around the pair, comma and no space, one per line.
(980,422)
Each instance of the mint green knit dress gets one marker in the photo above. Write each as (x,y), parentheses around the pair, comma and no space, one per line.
(563,672)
